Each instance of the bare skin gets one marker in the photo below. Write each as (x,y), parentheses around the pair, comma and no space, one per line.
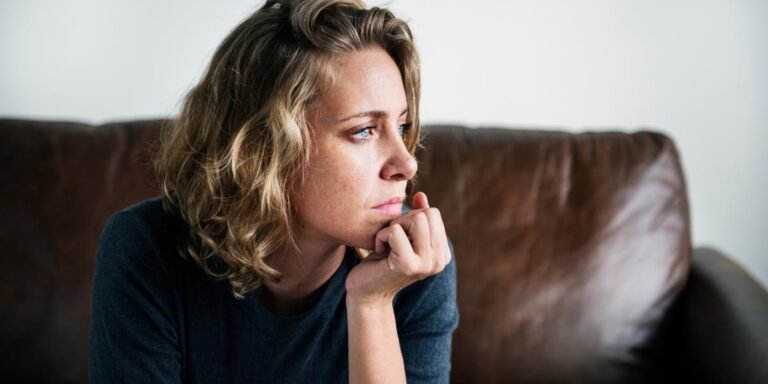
(359,162)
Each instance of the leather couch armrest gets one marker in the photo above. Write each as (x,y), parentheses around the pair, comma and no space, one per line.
(726,321)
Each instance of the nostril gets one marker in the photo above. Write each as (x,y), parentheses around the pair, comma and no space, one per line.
(400,169)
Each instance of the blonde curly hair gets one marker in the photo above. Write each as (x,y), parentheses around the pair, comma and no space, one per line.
(227,161)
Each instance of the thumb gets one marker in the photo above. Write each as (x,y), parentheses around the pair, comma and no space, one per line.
(420,201)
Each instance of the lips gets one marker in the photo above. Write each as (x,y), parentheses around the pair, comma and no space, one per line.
(392,201)
(392,207)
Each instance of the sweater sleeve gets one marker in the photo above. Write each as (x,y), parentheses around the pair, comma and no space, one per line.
(134,338)
(426,317)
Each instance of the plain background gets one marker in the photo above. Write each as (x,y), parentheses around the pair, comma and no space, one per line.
(696,70)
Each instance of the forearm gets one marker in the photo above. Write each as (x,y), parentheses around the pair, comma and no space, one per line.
(374,347)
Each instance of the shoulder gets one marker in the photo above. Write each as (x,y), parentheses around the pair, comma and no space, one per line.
(147,217)
(143,233)
(138,268)
(146,221)
(136,277)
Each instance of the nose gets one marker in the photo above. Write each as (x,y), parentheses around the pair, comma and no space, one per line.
(400,164)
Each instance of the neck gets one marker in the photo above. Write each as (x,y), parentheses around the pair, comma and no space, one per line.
(302,277)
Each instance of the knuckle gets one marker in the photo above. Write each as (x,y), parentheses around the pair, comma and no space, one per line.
(438,266)
(414,212)
(411,270)
(429,268)
(415,270)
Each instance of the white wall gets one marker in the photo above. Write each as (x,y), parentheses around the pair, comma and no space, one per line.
(693,69)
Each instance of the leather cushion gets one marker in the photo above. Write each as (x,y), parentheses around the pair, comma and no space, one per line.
(569,249)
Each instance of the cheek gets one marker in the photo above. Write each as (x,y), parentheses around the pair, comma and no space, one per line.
(337,195)
(338,183)
(345,164)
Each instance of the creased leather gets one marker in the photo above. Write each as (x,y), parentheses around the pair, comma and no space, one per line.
(569,247)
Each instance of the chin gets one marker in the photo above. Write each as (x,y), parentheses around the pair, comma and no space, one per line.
(364,236)
(367,241)
(369,246)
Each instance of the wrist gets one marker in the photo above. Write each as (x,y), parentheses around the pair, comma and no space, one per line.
(369,302)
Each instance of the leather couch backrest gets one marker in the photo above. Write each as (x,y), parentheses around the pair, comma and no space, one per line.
(569,247)
(61,181)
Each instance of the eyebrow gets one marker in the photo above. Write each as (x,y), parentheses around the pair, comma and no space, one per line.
(374,114)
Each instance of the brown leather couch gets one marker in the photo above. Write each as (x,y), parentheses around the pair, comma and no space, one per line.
(573,252)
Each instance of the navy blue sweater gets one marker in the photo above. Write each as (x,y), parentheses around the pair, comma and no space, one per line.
(158,318)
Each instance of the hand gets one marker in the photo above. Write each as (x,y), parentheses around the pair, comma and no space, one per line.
(413,247)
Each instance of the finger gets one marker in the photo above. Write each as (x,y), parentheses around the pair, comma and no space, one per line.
(402,257)
(416,226)
(418,231)
(437,235)
(406,219)
(373,255)
(420,201)
(382,240)
(383,243)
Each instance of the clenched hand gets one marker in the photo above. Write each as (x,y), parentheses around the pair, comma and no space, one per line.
(413,247)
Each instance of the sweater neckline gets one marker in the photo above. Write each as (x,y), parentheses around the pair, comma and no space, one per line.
(284,326)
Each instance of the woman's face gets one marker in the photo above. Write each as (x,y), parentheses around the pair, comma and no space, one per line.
(359,159)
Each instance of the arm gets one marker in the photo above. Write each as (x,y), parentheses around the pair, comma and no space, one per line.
(417,341)
(374,347)
(427,316)
(133,335)
(412,258)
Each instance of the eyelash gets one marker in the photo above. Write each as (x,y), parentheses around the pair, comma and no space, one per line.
(405,127)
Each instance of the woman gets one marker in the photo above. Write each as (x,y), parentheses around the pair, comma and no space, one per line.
(288,161)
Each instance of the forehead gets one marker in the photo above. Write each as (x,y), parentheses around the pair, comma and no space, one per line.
(361,81)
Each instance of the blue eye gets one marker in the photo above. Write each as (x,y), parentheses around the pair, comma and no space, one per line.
(404,128)
(365,133)
(366,130)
